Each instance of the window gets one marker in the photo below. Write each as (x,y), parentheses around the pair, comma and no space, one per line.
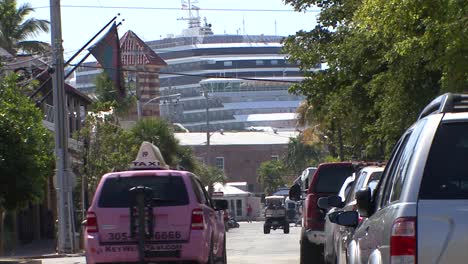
(231,207)
(403,164)
(220,163)
(170,190)
(446,172)
(238,207)
(360,181)
(350,192)
(274,157)
(390,170)
(332,178)
(375,176)
(197,189)
(258,62)
(228,63)
(206,196)
(274,62)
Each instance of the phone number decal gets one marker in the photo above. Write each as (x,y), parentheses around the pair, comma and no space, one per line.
(124,236)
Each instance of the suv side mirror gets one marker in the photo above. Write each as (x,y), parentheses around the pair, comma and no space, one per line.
(220,205)
(330,201)
(295,192)
(363,201)
(323,203)
(332,216)
(348,218)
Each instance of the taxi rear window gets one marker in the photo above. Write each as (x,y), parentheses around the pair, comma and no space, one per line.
(167,191)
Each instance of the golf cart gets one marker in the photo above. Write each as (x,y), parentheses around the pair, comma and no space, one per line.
(275,215)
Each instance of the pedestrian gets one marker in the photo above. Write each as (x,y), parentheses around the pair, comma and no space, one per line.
(249,213)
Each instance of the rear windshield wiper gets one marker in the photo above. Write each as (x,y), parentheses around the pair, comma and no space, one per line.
(161,200)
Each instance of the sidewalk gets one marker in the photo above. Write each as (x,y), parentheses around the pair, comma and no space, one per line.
(34,249)
(39,249)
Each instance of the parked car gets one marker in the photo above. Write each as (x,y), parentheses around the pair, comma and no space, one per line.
(336,240)
(306,177)
(330,228)
(178,221)
(292,210)
(326,181)
(418,212)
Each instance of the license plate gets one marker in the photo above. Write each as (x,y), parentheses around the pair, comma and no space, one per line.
(163,251)
(163,254)
(163,247)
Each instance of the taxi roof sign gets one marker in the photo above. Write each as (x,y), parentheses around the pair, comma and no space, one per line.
(149,157)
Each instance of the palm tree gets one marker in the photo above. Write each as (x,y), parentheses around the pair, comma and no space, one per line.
(158,132)
(16,30)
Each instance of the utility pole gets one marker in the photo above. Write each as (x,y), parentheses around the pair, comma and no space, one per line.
(208,148)
(63,174)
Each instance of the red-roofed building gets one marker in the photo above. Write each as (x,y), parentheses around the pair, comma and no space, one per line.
(142,67)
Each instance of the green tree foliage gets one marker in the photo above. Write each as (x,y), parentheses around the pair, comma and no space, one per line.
(270,175)
(108,147)
(159,132)
(105,147)
(301,155)
(26,150)
(16,29)
(209,175)
(386,60)
(107,93)
(186,158)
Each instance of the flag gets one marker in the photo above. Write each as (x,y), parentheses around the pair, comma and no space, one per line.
(107,53)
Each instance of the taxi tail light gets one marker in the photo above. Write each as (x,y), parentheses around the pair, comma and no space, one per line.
(91,222)
(403,241)
(197,219)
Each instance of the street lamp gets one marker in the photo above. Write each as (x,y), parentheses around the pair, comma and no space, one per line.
(161,97)
(169,98)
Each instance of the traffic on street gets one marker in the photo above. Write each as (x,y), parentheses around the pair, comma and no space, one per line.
(245,245)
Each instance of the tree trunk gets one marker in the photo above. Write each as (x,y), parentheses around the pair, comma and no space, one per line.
(15,233)
(340,143)
(2,231)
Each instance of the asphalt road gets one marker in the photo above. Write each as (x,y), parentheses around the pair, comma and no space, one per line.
(246,245)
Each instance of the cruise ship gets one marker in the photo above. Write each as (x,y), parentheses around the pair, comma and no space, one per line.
(228,82)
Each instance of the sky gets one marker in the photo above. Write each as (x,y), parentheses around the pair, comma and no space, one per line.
(155,19)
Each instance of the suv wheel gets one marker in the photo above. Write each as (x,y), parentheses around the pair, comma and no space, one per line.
(310,253)
(211,259)
(266,229)
(286,228)
(224,257)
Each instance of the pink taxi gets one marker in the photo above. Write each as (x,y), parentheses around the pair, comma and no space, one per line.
(186,225)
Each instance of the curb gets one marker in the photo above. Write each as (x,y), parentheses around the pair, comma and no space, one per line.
(49,256)
(15,259)
(20,261)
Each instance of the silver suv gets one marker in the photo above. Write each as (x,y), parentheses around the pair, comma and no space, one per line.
(419,210)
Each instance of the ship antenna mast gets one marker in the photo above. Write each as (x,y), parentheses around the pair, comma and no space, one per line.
(194,21)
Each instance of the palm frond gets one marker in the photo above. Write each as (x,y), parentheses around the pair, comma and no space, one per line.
(32,46)
(31,28)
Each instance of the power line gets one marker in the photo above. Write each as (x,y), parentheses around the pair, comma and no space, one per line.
(190,75)
(180,9)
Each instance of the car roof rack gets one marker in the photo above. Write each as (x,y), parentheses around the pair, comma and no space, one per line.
(446,103)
